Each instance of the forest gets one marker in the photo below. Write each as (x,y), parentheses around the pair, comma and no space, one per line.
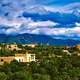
(51,64)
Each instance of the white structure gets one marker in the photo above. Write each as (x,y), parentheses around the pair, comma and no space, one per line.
(28,57)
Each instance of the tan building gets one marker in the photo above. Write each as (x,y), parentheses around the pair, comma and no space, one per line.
(30,45)
(15,47)
(27,57)
(0,48)
(78,46)
(67,47)
(78,54)
(67,52)
(12,47)
(6,59)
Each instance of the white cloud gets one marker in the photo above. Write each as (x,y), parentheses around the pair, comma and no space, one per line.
(68,32)
(77,24)
(11,31)
(14,22)
(42,24)
(23,25)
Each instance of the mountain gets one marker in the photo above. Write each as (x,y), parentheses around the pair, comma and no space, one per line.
(39,39)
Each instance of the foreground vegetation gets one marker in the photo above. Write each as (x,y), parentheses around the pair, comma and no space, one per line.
(52,64)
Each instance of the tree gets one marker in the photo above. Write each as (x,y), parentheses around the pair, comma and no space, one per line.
(3,76)
(21,75)
(38,76)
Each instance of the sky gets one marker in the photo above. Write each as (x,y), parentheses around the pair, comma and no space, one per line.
(55,18)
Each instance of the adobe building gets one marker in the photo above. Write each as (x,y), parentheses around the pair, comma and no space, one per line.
(12,47)
(15,46)
(6,59)
(23,58)
(78,47)
(30,45)
(28,57)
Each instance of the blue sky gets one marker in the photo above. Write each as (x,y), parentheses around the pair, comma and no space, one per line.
(56,18)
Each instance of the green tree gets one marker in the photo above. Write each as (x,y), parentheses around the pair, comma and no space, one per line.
(3,76)
(21,75)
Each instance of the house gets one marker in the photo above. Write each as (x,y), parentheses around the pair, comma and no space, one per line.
(12,47)
(78,54)
(78,47)
(30,45)
(15,46)
(27,57)
(67,47)
(23,58)
(6,59)
(0,47)
(66,51)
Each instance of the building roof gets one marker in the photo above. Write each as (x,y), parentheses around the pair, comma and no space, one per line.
(7,59)
(19,55)
(78,46)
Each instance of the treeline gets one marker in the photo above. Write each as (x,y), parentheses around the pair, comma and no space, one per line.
(51,64)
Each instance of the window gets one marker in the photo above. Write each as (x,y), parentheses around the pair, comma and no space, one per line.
(9,46)
(20,60)
(32,56)
(1,60)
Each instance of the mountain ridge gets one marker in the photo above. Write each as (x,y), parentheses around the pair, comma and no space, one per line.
(36,39)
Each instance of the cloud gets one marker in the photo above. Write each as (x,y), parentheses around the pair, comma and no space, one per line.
(11,9)
(54,32)
(22,25)
(63,18)
(42,24)
(35,17)
(77,24)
